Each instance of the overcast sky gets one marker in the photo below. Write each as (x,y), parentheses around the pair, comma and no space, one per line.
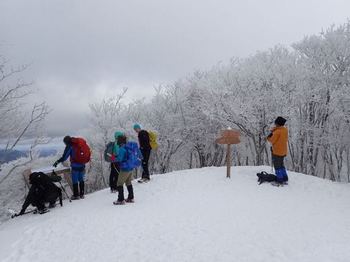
(83,50)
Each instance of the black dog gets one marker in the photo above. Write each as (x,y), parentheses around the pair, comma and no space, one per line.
(265,177)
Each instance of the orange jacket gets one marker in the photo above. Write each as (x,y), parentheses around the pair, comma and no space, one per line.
(279,141)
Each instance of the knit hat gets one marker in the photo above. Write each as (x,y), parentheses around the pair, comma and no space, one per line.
(280,121)
(137,126)
(116,146)
(67,140)
(117,134)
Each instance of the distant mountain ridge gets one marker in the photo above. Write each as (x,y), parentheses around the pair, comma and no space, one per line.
(11,155)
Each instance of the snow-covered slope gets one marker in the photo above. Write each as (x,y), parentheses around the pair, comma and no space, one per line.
(192,215)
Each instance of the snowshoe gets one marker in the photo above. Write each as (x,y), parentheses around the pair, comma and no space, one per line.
(130,200)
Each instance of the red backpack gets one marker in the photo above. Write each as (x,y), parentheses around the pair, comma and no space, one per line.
(81,151)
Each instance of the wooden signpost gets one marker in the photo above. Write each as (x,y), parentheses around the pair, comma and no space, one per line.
(228,137)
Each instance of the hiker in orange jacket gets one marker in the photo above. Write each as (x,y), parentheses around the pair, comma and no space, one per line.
(279,141)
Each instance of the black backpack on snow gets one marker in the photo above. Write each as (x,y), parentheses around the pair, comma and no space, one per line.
(266,177)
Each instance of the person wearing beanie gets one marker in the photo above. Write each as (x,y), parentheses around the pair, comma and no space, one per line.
(115,169)
(125,175)
(279,141)
(77,169)
(280,121)
(145,149)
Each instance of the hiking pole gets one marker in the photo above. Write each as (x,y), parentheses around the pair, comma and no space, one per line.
(64,190)
(59,181)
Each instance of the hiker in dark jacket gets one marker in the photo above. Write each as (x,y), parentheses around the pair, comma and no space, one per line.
(279,141)
(78,169)
(115,169)
(145,149)
(42,191)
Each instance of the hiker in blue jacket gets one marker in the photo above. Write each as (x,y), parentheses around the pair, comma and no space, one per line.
(78,169)
(125,174)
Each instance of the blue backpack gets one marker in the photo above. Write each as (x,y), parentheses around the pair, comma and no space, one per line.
(133,157)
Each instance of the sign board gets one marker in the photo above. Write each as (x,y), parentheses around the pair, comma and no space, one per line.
(229,137)
(62,171)
(230,133)
(227,140)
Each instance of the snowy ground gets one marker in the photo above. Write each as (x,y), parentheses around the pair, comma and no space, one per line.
(192,215)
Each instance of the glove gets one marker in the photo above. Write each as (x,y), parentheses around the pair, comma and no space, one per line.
(56,163)
(112,157)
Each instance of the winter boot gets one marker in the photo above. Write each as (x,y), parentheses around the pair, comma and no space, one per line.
(130,198)
(118,203)
(121,200)
(75,192)
(279,175)
(82,189)
(43,211)
(285,176)
(276,183)
(120,193)
(144,180)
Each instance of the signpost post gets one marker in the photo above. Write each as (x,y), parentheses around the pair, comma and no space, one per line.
(228,137)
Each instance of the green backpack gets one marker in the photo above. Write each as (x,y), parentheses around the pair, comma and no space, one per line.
(108,154)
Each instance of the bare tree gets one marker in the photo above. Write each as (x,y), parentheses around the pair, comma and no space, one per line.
(18,119)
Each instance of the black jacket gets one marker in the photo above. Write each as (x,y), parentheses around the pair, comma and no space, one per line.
(144,140)
(42,191)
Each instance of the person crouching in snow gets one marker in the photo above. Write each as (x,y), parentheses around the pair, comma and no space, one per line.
(125,174)
(42,191)
(279,141)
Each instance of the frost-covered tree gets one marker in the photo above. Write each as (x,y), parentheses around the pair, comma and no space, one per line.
(17,116)
(308,83)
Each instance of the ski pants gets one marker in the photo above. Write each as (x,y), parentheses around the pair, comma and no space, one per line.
(78,175)
(113,177)
(145,154)
(278,163)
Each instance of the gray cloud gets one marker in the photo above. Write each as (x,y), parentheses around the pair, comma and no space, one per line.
(82,50)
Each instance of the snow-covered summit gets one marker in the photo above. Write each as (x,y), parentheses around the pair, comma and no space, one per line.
(192,215)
